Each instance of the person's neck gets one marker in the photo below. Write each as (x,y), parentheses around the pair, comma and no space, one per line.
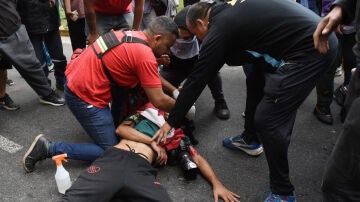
(148,33)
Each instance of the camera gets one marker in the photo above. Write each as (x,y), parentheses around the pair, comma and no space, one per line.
(190,168)
(181,156)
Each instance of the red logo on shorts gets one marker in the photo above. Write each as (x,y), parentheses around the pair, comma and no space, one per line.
(93,169)
(157,182)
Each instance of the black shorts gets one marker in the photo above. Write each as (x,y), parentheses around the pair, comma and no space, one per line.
(118,175)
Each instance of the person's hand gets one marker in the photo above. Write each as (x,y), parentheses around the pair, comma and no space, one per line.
(226,195)
(161,153)
(91,38)
(161,134)
(73,15)
(328,24)
(163,60)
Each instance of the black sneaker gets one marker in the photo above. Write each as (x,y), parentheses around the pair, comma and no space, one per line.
(53,99)
(221,110)
(39,150)
(7,103)
(324,115)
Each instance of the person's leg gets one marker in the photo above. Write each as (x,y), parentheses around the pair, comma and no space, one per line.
(20,53)
(5,100)
(129,19)
(105,23)
(248,140)
(37,42)
(349,58)
(284,91)
(255,83)
(77,33)
(324,92)
(353,92)
(97,122)
(55,48)
(49,62)
(102,179)
(221,109)
(140,183)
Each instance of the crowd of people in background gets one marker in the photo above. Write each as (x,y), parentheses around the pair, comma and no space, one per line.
(134,53)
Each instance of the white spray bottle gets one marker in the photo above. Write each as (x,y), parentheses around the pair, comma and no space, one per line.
(62,176)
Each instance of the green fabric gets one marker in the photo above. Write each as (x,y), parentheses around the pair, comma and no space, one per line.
(144,125)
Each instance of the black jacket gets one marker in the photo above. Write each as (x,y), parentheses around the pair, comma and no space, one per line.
(283,30)
(37,16)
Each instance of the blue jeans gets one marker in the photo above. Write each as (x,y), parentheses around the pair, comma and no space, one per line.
(54,46)
(98,124)
(105,23)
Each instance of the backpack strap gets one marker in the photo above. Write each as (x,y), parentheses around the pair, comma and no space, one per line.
(108,41)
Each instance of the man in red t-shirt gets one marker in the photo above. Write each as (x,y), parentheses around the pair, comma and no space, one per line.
(102,16)
(88,93)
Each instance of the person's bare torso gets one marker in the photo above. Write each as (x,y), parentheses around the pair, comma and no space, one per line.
(137,147)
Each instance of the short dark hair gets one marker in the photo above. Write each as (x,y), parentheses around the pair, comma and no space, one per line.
(163,25)
(197,11)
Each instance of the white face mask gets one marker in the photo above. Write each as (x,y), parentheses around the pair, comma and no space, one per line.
(185,49)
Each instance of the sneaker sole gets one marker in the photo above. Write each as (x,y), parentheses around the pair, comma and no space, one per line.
(254,152)
(51,103)
(29,151)
(9,108)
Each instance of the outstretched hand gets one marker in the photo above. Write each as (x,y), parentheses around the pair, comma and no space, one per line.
(327,25)
(161,134)
(226,195)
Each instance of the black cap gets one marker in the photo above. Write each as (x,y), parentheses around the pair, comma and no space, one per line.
(180,18)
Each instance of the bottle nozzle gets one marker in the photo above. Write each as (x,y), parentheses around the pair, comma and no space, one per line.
(59,158)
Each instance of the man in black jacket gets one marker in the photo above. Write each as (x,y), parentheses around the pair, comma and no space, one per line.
(283,38)
(15,47)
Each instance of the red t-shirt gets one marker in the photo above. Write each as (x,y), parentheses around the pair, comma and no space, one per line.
(113,7)
(128,64)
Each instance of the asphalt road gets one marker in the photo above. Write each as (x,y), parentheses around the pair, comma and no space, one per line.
(310,147)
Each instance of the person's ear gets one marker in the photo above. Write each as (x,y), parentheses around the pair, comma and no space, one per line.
(157,37)
(200,22)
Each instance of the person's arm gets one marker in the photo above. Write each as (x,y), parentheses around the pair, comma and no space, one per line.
(219,190)
(211,59)
(138,13)
(91,20)
(159,99)
(167,86)
(127,131)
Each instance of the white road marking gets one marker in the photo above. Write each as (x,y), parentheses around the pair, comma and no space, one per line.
(9,146)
